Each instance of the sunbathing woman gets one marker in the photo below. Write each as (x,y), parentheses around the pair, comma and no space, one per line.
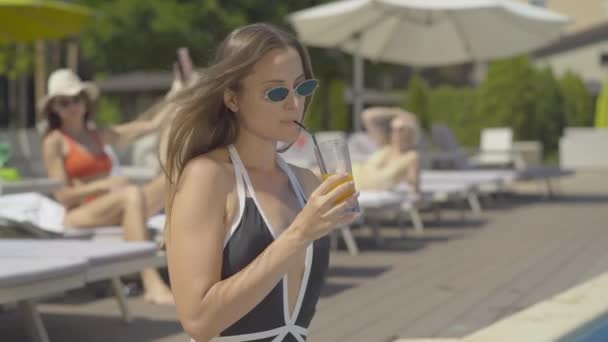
(74,152)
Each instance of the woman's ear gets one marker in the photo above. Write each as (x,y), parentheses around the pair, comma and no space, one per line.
(230,100)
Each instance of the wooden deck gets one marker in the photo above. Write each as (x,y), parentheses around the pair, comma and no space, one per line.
(455,278)
(461,276)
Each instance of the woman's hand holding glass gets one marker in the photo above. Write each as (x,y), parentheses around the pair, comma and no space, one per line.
(327,208)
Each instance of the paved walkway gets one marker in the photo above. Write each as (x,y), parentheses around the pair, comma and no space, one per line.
(457,277)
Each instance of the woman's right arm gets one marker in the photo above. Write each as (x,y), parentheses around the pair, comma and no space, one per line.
(71,194)
(206,304)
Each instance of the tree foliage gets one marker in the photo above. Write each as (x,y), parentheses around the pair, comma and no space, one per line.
(418,100)
(578,102)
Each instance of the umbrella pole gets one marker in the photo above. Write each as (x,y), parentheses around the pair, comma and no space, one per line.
(358,85)
(72,56)
(40,72)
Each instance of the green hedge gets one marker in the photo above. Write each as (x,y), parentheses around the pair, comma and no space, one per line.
(514,94)
(108,111)
(457,107)
(328,110)
(418,100)
(578,103)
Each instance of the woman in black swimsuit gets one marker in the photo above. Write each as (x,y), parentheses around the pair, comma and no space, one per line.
(246,232)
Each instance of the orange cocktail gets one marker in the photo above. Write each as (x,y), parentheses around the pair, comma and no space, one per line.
(334,158)
(344,197)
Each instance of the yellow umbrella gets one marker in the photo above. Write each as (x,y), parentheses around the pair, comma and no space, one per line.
(28,20)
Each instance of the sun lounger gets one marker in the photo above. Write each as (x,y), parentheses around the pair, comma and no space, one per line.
(40,185)
(24,279)
(474,176)
(498,180)
(497,149)
(475,182)
(38,216)
(28,163)
(374,203)
(104,260)
(27,158)
(432,194)
(437,191)
(402,201)
(38,213)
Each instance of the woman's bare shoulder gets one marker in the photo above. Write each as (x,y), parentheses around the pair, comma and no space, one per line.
(52,137)
(53,141)
(211,169)
(212,163)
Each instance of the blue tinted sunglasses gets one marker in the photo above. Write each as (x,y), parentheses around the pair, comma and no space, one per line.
(278,94)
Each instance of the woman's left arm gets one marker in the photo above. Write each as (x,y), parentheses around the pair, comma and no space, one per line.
(126,133)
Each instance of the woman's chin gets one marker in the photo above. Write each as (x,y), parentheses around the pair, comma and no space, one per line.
(290,134)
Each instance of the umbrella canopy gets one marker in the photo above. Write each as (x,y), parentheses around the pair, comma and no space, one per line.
(28,20)
(426,32)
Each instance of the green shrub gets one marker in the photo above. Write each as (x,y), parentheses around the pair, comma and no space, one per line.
(515,94)
(601,113)
(548,118)
(417,100)
(507,94)
(457,108)
(578,103)
(328,110)
(339,113)
(314,116)
(108,111)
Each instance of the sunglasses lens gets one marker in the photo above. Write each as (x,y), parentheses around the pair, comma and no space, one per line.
(277,94)
(307,87)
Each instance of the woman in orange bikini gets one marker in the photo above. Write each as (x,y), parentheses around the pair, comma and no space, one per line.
(74,153)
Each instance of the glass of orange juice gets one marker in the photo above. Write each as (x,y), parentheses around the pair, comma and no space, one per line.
(334,158)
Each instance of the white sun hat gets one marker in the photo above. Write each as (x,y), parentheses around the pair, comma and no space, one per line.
(64,82)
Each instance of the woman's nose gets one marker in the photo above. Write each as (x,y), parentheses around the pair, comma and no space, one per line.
(292,101)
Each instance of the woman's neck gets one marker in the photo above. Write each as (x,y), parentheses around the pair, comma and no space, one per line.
(73,128)
(256,154)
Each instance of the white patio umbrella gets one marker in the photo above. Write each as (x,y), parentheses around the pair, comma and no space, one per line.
(425,32)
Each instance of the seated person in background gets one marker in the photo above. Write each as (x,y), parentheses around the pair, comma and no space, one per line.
(74,152)
(396,161)
(155,191)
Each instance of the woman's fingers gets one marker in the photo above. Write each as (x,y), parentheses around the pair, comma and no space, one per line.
(329,184)
(340,192)
(341,207)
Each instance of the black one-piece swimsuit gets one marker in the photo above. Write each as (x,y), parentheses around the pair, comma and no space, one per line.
(249,235)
